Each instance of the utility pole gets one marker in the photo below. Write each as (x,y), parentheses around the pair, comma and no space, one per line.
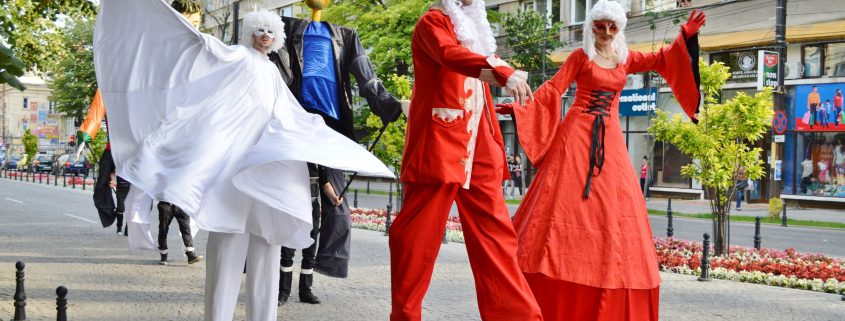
(780,93)
(236,8)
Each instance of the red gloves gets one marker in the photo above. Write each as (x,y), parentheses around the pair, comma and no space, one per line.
(696,20)
(505,109)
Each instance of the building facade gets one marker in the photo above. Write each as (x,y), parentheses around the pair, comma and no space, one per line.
(32,109)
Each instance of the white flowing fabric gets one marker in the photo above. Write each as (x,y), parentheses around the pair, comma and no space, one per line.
(211,128)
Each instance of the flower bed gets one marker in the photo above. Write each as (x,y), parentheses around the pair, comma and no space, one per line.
(374,219)
(787,268)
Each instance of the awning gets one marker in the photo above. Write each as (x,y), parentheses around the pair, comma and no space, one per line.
(742,39)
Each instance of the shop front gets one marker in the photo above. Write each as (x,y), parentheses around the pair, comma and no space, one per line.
(814,160)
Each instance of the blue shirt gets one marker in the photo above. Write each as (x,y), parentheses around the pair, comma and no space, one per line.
(319,82)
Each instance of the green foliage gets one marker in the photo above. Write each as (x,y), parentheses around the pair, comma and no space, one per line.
(30,145)
(775,207)
(392,142)
(10,68)
(97,146)
(525,33)
(384,30)
(74,82)
(29,28)
(720,145)
(186,6)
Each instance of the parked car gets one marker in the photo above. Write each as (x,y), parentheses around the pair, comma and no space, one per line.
(12,163)
(43,163)
(68,164)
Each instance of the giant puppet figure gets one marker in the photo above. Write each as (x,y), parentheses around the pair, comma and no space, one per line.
(316,62)
(214,130)
(454,153)
(585,243)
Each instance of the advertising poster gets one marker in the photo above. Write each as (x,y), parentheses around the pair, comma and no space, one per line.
(818,108)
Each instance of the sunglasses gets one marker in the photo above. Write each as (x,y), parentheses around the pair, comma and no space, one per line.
(608,27)
(261,32)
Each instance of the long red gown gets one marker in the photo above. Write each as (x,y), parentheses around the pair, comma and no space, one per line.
(587,252)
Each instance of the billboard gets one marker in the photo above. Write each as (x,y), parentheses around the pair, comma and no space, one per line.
(818,108)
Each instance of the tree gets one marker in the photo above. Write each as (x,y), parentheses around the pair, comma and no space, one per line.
(392,142)
(74,82)
(526,33)
(97,145)
(221,19)
(719,144)
(30,146)
(29,27)
(10,68)
(384,27)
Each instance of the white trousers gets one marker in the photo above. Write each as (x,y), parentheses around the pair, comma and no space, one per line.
(225,256)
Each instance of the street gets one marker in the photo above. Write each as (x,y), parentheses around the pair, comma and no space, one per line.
(56,232)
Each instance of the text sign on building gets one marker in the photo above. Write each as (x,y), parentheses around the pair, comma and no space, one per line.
(637,102)
(767,70)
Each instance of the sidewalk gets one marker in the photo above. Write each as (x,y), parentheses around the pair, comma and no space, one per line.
(754,209)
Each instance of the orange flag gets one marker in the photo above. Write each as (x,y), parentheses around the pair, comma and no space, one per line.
(91,125)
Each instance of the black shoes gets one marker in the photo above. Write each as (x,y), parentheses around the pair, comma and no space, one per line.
(308,297)
(163,260)
(193,258)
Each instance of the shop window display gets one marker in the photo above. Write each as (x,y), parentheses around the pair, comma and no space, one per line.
(822,167)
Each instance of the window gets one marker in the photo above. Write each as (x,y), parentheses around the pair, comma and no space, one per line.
(834,60)
(52,106)
(820,167)
(579,10)
(286,11)
(529,5)
(663,5)
(554,10)
(25,103)
(811,57)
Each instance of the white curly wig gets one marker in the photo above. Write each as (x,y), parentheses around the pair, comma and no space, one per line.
(607,10)
(471,25)
(263,18)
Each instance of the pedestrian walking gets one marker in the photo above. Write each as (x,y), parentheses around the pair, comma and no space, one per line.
(644,170)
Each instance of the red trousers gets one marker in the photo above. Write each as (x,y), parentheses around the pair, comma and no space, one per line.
(415,238)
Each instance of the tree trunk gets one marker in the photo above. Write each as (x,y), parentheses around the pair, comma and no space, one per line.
(720,233)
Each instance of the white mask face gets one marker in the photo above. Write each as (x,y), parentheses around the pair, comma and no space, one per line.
(261,31)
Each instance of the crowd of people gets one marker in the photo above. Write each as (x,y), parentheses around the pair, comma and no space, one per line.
(269,117)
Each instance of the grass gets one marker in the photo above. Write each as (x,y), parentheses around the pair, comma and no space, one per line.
(763,220)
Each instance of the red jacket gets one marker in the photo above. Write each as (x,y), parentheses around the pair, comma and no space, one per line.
(437,142)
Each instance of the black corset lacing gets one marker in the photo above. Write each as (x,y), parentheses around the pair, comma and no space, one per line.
(599,104)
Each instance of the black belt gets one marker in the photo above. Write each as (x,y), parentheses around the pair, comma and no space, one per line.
(598,107)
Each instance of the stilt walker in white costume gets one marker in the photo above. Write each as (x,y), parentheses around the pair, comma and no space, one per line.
(213,129)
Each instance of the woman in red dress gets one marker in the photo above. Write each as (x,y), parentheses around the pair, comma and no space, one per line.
(585,243)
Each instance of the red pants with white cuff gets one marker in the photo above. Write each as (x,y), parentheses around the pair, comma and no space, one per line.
(415,239)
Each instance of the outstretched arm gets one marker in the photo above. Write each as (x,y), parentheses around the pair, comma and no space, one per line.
(678,64)
(382,103)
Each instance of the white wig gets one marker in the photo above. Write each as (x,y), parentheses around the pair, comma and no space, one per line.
(471,25)
(263,18)
(607,10)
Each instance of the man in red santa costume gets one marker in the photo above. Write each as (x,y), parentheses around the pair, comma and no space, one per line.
(454,153)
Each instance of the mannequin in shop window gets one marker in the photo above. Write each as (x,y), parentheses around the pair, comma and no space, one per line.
(806,174)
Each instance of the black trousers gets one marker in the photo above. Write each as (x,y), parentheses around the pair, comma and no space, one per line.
(122,191)
(309,254)
(166,213)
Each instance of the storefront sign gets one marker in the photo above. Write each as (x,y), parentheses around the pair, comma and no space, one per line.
(638,102)
(817,108)
(742,64)
(779,138)
(767,71)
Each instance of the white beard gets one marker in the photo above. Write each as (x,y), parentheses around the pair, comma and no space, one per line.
(471,26)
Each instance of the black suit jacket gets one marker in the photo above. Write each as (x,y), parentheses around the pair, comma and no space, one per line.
(350,58)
